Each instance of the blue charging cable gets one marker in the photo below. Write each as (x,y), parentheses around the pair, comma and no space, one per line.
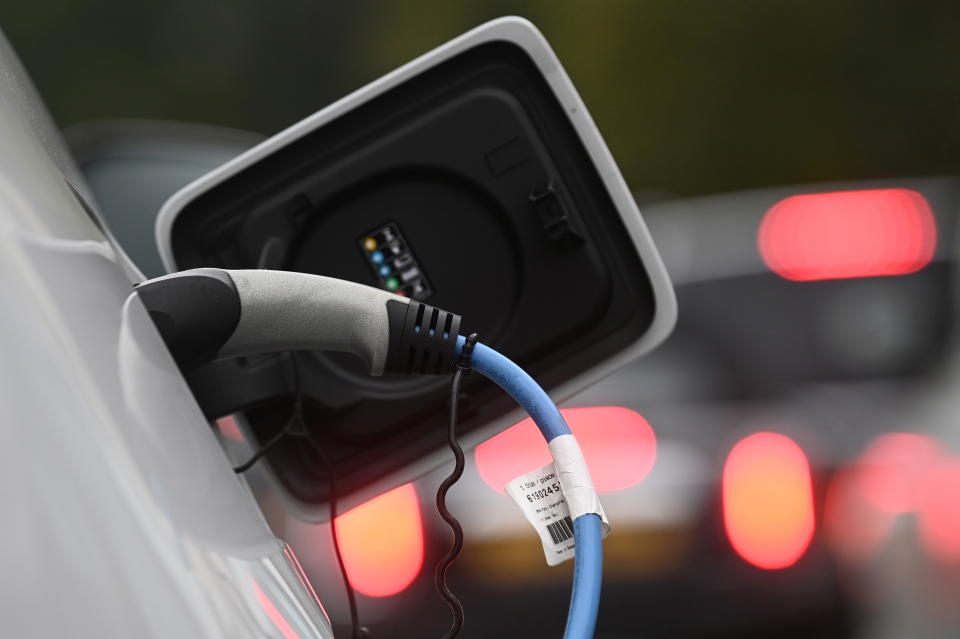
(588,569)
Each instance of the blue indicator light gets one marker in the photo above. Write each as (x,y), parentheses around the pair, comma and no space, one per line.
(385,270)
(376,257)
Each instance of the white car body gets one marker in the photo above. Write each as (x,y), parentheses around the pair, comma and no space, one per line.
(122,516)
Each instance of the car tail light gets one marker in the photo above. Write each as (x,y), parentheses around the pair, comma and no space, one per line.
(768,500)
(846,234)
(382,542)
(619,445)
(938,510)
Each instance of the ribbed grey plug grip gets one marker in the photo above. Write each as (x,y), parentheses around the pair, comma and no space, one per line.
(283,311)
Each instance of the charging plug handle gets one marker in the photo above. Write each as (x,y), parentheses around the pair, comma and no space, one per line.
(209,314)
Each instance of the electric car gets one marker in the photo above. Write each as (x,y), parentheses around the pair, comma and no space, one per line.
(782,466)
(547,198)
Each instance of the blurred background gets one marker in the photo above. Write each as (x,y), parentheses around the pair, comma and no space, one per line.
(693,97)
(793,466)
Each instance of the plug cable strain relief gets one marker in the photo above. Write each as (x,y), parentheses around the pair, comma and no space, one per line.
(423,339)
(466,353)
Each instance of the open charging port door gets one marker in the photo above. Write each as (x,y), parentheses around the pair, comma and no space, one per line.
(472,179)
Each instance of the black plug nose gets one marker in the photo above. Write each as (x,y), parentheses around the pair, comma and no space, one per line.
(195,312)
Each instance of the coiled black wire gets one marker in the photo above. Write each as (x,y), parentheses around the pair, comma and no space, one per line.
(461,367)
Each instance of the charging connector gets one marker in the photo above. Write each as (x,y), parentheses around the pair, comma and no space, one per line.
(209,314)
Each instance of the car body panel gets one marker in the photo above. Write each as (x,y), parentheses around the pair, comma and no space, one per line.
(122,515)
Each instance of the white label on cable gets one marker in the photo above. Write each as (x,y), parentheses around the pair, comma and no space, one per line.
(542,501)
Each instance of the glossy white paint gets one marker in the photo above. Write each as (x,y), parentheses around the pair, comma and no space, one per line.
(121,514)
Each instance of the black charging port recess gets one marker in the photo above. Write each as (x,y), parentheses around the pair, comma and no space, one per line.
(472,173)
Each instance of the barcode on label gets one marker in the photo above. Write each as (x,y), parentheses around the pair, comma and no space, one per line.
(560,530)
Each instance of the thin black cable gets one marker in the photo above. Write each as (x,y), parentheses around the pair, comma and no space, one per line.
(461,367)
(357,631)
(296,417)
(263,450)
(296,427)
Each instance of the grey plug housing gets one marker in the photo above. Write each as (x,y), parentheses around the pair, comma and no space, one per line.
(210,314)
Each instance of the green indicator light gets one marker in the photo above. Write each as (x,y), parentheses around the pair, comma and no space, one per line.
(392,283)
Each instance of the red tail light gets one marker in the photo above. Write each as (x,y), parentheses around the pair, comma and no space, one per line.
(938,510)
(382,542)
(618,444)
(891,467)
(898,474)
(847,234)
(768,500)
(855,527)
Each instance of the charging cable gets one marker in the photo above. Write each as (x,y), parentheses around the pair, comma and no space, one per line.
(209,314)
(588,568)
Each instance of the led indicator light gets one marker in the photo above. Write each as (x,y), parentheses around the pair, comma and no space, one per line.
(393,263)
